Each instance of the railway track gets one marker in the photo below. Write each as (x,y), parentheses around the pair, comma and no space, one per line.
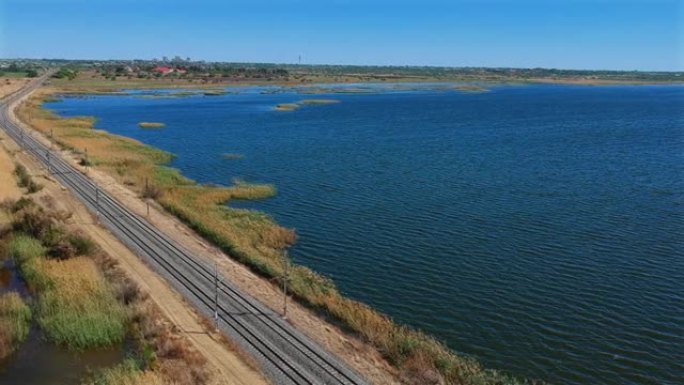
(286,356)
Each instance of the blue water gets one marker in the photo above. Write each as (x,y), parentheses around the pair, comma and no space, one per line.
(537,228)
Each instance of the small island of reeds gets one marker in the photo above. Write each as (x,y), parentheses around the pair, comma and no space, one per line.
(151,125)
(232,155)
(304,102)
(471,88)
(287,107)
(318,101)
(215,93)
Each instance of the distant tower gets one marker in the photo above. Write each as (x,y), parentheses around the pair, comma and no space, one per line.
(300,60)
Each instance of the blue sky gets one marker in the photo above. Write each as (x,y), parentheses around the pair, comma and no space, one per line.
(603,34)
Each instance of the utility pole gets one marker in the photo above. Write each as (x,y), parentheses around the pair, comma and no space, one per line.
(286,277)
(47,155)
(216,296)
(147,199)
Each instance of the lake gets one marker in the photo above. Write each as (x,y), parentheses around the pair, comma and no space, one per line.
(537,228)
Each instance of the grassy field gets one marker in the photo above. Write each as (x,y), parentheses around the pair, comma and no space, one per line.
(254,239)
(12,74)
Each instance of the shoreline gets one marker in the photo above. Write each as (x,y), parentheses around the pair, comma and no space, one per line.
(405,348)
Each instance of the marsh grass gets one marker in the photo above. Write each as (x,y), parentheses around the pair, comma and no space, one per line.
(86,301)
(232,155)
(304,102)
(287,107)
(126,373)
(254,239)
(318,101)
(151,125)
(75,306)
(15,322)
(215,93)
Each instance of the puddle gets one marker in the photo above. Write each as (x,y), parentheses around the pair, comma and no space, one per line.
(38,362)
(10,279)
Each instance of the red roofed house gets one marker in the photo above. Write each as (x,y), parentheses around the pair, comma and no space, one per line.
(162,70)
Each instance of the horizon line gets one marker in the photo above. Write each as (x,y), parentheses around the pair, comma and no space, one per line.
(361,65)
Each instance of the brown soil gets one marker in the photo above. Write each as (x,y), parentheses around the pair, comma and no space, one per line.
(9,85)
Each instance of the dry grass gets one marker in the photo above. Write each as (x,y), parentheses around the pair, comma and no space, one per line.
(287,107)
(232,155)
(126,373)
(151,125)
(160,348)
(15,322)
(24,179)
(256,240)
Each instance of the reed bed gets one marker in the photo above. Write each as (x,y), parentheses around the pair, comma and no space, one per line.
(15,322)
(318,101)
(151,125)
(254,239)
(84,300)
(287,107)
(126,373)
(75,306)
(232,155)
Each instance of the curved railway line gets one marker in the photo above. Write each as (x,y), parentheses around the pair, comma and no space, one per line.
(286,356)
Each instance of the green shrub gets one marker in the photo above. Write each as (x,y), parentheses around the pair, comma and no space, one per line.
(24,247)
(22,175)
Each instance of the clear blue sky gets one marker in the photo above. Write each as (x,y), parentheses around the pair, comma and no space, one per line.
(603,34)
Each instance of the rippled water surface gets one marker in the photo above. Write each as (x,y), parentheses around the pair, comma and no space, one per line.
(537,228)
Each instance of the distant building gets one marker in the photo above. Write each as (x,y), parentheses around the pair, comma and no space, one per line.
(162,70)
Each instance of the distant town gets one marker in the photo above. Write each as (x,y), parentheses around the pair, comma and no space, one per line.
(219,72)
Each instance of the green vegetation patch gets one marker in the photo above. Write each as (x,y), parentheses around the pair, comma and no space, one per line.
(305,102)
(15,322)
(318,101)
(75,306)
(215,93)
(24,247)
